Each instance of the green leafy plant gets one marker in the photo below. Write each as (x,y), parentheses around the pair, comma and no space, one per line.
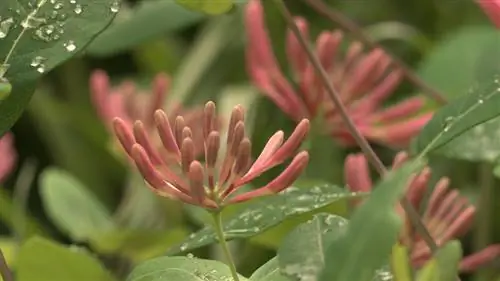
(129,170)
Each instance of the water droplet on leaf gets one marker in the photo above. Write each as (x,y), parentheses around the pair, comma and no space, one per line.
(70,46)
(5,88)
(5,26)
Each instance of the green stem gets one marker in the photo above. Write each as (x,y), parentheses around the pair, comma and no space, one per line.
(217,216)
(482,235)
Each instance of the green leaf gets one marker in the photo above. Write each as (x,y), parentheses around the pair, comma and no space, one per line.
(71,207)
(7,216)
(302,253)
(211,7)
(74,148)
(451,67)
(261,214)
(480,143)
(39,35)
(181,268)
(42,260)
(270,271)
(372,232)
(137,245)
(149,19)
(459,116)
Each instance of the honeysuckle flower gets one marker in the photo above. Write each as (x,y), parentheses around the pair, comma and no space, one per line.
(364,79)
(215,183)
(492,10)
(128,103)
(448,214)
(8,155)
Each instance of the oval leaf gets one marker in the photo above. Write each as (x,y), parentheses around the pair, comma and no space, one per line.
(71,207)
(148,20)
(36,36)
(372,232)
(261,214)
(481,104)
(302,253)
(181,268)
(211,7)
(451,66)
(42,260)
(270,271)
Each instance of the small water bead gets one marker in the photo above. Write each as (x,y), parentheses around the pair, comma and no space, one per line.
(78,9)
(190,256)
(70,46)
(448,122)
(5,88)
(5,26)
(115,6)
(58,5)
(32,22)
(37,61)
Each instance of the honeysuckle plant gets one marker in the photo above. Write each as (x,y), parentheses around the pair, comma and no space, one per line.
(405,226)
(364,79)
(129,103)
(448,215)
(216,183)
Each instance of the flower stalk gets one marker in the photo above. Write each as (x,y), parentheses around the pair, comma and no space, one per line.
(219,231)
(362,142)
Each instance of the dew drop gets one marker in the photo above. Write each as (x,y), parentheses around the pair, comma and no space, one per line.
(32,22)
(78,9)
(37,61)
(58,5)
(448,122)
(5,26)
(5,88)
(190,256)
(184,247)
(480,101)
(115,6)
(70,46)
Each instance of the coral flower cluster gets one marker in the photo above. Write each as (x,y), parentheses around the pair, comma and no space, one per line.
(8,156)
(216,182)
(129,103)
(364,79)
(448,214)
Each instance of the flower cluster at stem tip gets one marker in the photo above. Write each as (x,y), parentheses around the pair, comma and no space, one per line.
(364,80)
(448,215)
(215,183)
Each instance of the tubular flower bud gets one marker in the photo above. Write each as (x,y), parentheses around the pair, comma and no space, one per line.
(365,80)
(448,214)
(128,103)
(216,183)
